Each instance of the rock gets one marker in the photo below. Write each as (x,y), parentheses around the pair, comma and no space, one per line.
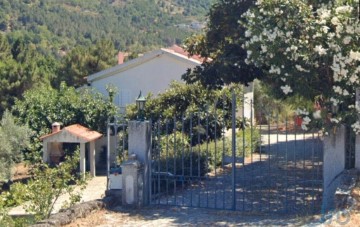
(69,215)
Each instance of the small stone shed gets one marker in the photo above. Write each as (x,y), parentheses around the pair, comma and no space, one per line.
(52,144)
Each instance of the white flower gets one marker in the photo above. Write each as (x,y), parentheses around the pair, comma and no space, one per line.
(337,89)
(286,89)
(334,120)
(320,50)
(317,114)
(247,33)
(343,9)
(306,120)
(335,21)
(334,101)
(324,13)
(303,127)
(263,48)
(347,40)
(249,52)
(325,29)
(299,111)
(354,55)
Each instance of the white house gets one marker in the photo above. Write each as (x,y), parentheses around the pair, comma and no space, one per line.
(151,72)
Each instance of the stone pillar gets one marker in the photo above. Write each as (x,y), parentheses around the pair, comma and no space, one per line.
(132,183)
(82,159)
(334,165)
(357,142)
(45,152)
(92,158)
(357,153)
(140,145)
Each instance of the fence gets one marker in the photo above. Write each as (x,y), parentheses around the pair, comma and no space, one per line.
(219,157)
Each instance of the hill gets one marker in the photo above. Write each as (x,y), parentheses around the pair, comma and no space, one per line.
(59,25)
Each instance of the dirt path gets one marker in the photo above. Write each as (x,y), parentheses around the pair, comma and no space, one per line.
(181,216)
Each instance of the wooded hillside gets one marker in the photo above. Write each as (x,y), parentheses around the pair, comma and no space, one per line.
(132,25)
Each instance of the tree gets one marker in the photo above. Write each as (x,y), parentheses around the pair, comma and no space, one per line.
(190,102)
(222,47)
(44,105)
(44,188)
(84,61)
(13,139)
(311,49)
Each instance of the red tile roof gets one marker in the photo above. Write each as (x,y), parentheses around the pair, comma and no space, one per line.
(179,50)
(79,131)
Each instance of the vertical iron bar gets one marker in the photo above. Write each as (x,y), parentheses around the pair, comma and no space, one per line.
(269,163)
(304,170)
(175,159)
(215,154)
(251,151)
(260,160)
(243,149)
(123,140)
(182,157)
(207,153)
(116,142)
(150,159)
(223,125)
(167,161)
(286,163)
(313,171)
(295,166)
(233,151)
(159,159)
(277,161)
(199,156)
(108,154)
(191,159)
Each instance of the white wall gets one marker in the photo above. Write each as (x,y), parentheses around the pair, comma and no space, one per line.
(152,76)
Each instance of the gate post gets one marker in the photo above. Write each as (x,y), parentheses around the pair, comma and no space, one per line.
(140,146)
(357,138)
(333,165)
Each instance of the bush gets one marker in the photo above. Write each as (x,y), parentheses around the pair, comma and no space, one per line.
(13,139)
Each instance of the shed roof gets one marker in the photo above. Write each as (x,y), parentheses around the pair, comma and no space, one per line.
(80,132)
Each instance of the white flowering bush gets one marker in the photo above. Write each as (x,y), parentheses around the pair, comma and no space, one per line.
(310,50)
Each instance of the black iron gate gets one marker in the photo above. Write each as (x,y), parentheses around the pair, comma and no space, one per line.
(221,158)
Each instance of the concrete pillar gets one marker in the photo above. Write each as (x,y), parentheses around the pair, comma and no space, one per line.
(357,153)
(357,142)
(333,165)
(132,183)
(82,159)
(140,145)
(92,158)
(45,152)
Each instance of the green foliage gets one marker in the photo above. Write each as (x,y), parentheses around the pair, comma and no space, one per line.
(40,193)
(193,103)
(21,68)
(13,139)
(223,43)
(177,156)
(132,25)
(44,105)
(81,62)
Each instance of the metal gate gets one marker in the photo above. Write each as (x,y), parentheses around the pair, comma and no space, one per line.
(222,158)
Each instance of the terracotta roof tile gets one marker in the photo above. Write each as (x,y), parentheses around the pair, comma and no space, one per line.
(179,50)
(78,130)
